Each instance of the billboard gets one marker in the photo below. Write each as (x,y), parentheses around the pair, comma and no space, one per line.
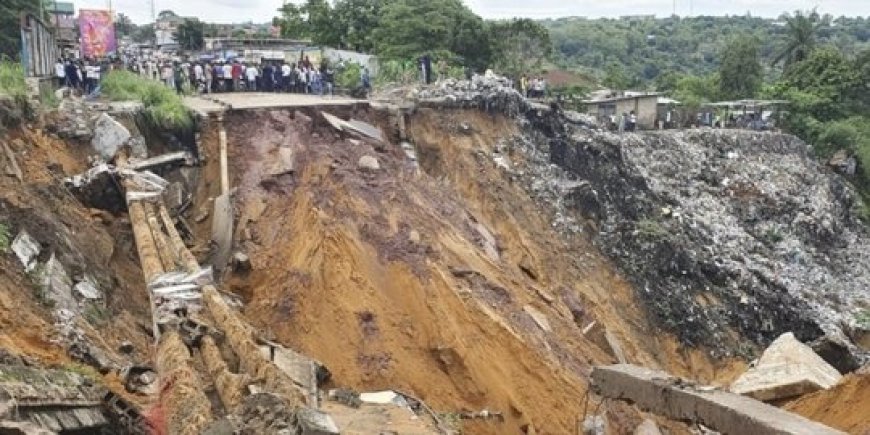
(97,32)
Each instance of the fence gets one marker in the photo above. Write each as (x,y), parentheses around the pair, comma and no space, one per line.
(39,49)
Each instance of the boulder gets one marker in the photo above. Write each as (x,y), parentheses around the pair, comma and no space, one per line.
(26,248)
(788,368)
(109,136)
(369,163)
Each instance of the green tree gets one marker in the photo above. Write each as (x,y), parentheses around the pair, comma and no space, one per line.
(10,30)
(190,34)
(519,46)
(292,23)
(357,19)
(740,70)
(801,33)
(410,28)
(124,25)
(144,34)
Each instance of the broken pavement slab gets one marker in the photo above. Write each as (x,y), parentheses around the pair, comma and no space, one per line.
(659,392)
(27,249)
(787,368)
(222,231)
(109,136)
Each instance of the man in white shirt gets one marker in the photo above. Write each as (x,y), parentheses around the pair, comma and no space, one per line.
(286,70)
(60,73)
(228,77)
(251,73)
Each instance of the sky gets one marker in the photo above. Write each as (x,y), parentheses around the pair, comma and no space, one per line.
(259,11)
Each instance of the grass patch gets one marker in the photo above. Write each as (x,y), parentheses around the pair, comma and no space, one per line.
(83,370)
(12,79)
(651,228)
(5,241)
(163,107)
(863,319)
(96,314)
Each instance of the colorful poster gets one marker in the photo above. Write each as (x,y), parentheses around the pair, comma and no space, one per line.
(97,33)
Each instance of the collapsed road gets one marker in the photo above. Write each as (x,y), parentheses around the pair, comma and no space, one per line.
(468,257)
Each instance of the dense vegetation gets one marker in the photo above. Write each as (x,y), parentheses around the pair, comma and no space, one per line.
(645,48)
(10,33)
(403,30)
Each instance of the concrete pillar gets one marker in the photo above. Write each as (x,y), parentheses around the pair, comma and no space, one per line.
(222,140)
(187,409)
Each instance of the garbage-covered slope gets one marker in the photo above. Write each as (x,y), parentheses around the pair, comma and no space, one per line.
(729,237)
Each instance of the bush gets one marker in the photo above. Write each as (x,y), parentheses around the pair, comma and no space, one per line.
(163,107)
(349,77)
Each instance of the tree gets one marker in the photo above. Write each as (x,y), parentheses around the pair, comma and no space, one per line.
(358,19)
(190,35)
(410,28)
(10,30)
(801,32)
(144,34)
(740,70)
(291,22)
(123,25)
(520,46)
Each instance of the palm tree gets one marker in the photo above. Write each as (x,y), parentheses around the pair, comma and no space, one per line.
(801,32)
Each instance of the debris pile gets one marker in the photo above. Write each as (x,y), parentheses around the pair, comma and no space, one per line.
(491,94)
(720,230)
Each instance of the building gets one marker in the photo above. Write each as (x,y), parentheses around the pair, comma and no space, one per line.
(61,16)
(165,26)
(644,105)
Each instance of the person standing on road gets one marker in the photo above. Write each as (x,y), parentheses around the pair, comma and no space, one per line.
(236,72)
(208,74)
(252,73)
(179,79)
(268,82)
(228,77)
(329,80)
(60,73)
(199,77)
(286,72)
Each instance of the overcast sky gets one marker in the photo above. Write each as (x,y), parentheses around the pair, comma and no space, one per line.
(227,11)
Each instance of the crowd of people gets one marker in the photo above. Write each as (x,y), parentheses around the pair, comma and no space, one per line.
(236,76)
(81,74)
(302,77)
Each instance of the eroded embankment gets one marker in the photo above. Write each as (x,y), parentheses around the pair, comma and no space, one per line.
(733,237)
(446,281)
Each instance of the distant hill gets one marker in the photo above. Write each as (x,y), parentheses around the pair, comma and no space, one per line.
(645,47)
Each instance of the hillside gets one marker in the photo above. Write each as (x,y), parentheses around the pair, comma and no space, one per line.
(644,48)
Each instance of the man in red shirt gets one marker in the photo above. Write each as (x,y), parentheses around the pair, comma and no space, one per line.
(237,75)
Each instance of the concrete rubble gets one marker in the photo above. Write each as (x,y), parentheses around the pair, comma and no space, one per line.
(490,94)
(369,163)
(26,248)
(109,136)
(675,398)
(54,400)
(786,369)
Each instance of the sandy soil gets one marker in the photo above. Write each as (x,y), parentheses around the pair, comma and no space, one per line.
(845,407)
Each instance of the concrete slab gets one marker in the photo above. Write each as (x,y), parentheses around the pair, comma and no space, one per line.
(787,368)
(216,103)
(675,398)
